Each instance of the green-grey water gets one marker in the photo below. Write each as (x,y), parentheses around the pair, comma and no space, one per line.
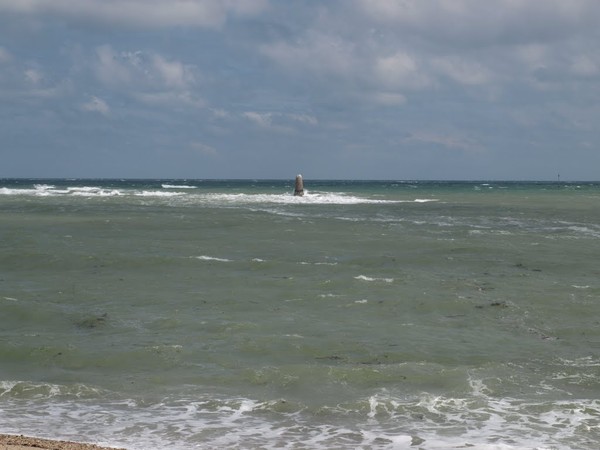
(183,314)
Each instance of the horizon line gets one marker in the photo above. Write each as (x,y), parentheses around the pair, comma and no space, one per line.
(397,180)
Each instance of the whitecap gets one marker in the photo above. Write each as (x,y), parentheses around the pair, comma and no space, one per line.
(437,421)
(317,198)
(305,263)
(585,231)
(44,187)
(366,278)
(157,194)
(92,191)
(177,186)
(211,258)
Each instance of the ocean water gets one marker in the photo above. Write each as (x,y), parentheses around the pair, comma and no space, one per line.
(155,314)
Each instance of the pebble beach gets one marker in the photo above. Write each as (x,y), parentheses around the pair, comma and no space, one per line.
(10,442)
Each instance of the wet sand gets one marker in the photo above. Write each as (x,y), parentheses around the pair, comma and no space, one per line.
(9,442)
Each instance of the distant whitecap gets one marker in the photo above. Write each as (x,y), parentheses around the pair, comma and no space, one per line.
(212,258)
(177,186)
(365,278)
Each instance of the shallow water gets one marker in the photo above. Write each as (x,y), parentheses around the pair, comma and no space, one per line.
(178,313)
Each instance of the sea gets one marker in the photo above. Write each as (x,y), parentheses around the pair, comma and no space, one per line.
(231,314)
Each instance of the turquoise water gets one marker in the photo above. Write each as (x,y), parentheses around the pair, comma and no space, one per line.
(180,314)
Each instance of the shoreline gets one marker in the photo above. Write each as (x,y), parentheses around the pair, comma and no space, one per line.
(20,442)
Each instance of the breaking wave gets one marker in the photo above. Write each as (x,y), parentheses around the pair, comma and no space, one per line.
(186,194)
(381,420)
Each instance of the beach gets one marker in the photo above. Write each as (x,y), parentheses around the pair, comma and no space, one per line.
(10,442)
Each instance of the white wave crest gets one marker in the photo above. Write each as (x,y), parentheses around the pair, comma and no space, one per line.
(177,186)
(435,421)
(47,190)
(366,278)
(585,231)
(33,390)
(319,198)
(157,194)
(188,195)
(211,258)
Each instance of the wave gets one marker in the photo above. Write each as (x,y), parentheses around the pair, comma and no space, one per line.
(27,390)
(211,258)
(178,186)
(188,195)
(584,231)
(366,278)
(48,190)
(317,198)
(381,420)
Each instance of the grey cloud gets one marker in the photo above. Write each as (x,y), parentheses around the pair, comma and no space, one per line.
(138,13)
(412,83)
(392,48)
(476,23)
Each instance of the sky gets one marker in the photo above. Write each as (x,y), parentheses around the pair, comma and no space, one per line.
(332,89)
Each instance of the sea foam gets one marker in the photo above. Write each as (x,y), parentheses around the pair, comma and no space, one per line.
(379,421)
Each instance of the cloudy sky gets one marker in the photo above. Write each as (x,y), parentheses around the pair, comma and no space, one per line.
(338,89)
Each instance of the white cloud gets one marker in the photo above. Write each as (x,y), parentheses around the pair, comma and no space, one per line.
(140,70)
(585,66)
(476,22)
(449,141)
(33,76)
(462,70)
(380,51)
(174,73)
(112,68)
(149,78)
(169,98)
(203,149)
(304,118)
(96,104)
(263,120)
(532,55)
(139,13)
(279,121)
(401,70)
(5,56)
(324,58)
(220,113)
(389,98)
(315,52)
